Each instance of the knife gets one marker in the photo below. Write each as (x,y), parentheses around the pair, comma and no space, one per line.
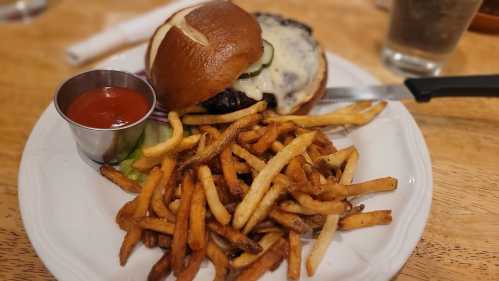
(420,89)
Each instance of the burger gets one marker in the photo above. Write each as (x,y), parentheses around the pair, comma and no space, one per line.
(218,56)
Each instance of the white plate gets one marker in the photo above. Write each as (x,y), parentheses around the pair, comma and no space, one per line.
(68,209)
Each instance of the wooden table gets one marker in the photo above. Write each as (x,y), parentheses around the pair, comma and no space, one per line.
(461,240)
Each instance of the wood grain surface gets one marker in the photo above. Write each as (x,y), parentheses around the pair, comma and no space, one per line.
(461,240)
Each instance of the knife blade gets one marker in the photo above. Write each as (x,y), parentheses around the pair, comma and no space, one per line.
(420,89)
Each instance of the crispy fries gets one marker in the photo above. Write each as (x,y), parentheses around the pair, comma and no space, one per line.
(367,219)
(289,220)
(239,178)
(161,269)
(192,267)
(356,118)
(255,162)
(219,144)
(321,244)
(119,179)
(150,239)
(125,214)
(134,234)
(171,143)
(219,260)
(350,167)
(229,172)
(337,159)
(156,224)
(181,226)
(295,208)
(262,182)
(217,209)
(264,207)
(294,257)
(377,185)
(271,259)
(246,258)
(235,237)
(320,207)
(197,231)
(224,118)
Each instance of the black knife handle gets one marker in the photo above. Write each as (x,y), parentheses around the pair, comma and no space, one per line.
(424,89)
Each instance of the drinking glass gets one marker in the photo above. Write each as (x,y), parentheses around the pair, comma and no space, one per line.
(423,33)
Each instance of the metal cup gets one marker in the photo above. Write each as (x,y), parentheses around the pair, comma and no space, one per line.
(104,145)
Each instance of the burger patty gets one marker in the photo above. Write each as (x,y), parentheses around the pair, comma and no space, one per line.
(294,66)
(231,100)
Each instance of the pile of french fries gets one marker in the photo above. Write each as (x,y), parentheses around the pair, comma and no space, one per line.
(243,189)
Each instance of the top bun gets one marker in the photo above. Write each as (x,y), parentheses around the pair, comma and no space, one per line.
(200,51)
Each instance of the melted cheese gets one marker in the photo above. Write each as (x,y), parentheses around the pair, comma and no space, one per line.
(294,66)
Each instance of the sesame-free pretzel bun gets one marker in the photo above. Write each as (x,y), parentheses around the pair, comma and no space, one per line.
(200,51)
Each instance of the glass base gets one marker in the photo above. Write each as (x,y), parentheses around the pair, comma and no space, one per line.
(409,66)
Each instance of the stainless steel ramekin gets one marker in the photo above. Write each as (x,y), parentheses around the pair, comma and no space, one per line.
(104,145)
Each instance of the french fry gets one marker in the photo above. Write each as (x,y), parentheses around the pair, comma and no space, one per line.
(333,191)
(197,231)
(201,119)
(164,241)
(264,206)
(125,214)
(157,202)
(295,171)
(265,242)
(331,119)
(262,182)
(193,266)
(350,167)
(273,131)
(265,141)
(273,229)
(289,221)
(377,185)
(134,234)
(219,260)
(119,179)
(337,159)
(315,221)
(252,160)
(150,239)
(294,257)
(202,143)
(251,136)
(229,172)
(170,143)
(235,237)
(174,205)
(187,143)
(220,143)
(276,146)
(157,224)
(354,210)
(217,209)
(241,167)
(321,207)
(355,107)
(213,132)
(295,208)
(321,244)
(367,219)
(161,269)
(181,224)
(272,258)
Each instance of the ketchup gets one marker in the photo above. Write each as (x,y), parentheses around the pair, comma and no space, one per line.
(108,107)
